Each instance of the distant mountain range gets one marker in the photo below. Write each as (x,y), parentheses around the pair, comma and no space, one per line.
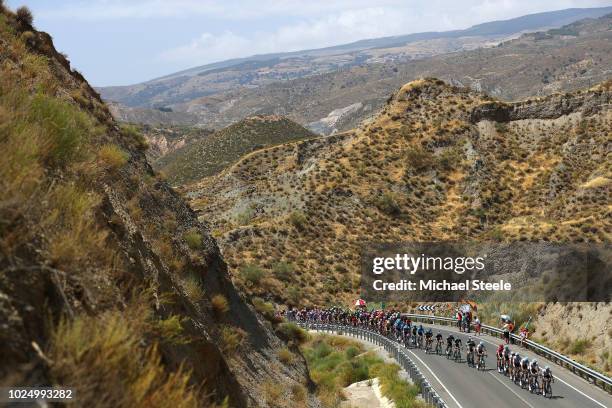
(174,92)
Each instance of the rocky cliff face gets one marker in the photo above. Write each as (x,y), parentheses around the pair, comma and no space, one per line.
(550,107)
(108,282)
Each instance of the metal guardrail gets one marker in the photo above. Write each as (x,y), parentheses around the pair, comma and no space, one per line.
(587,373)
(392,347)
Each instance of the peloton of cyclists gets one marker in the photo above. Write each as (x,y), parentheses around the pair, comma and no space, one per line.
(393,325)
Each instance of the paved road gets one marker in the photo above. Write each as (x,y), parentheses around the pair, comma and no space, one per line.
(465,387)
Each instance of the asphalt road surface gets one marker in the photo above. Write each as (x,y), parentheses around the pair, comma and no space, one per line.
(465,387)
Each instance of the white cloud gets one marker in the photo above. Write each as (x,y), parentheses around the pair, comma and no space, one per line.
(350,23)
(249,9)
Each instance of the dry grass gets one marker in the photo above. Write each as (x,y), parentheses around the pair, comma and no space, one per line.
(112,157)
(231,339)
(103,359)
(220,304)
(285,355)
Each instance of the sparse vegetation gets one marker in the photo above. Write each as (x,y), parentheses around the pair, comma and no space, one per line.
(220,304)
(336,362)
(193,239)
(112,156)
(89,352)
(231,339)
(252,274)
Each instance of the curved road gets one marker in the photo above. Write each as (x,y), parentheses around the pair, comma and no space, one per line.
(464,387)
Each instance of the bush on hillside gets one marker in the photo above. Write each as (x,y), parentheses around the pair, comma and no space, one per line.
(24,16)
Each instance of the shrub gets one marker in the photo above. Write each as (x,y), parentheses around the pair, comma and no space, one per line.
(299,392)
(252,274)
(292,332)
(170,330)
(132,133)
(231,339)
(283,271)
(501,127)
(579,346)
(102,357)
(193,239)
(285,356)
(219,304)
(265,308)
(388,205)
(193,288)
(66,129)
(272,392)
(298,220)
(24,16)
(112,157)
(418,159)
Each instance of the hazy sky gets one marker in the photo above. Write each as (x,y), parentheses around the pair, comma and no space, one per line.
(115,42)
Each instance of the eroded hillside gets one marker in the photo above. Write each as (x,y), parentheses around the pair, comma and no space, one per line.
(108,282)
(207,156)
(439,162)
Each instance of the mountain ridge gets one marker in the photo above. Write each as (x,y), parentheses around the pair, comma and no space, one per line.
(152,91)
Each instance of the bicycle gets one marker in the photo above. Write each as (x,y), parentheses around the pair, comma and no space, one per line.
(449,351)
(438,347)
(546,387)
(481,362)
(500,364)
(524,378)
(428,344)
(470,358)
(534,385)
(457,354)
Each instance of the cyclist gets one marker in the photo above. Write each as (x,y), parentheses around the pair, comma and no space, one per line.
(547,378)
(524,371)
(500,358)
(439,343)
(470,346)
(420,333)
(449,345)
(428,340)
(507,356)
(457,353)
(481,350)
(406,332)
(534,371)
(414,335)
(516,367)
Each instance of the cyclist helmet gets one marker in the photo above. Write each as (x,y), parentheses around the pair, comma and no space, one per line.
(481,344)
(534,361)
(507,348)
(547,368)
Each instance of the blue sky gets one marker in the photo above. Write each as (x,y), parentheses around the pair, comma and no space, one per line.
(120,42)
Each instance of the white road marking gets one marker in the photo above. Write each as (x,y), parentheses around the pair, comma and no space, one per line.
(437,379)
(511,390)
(577,390)
(556,378)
